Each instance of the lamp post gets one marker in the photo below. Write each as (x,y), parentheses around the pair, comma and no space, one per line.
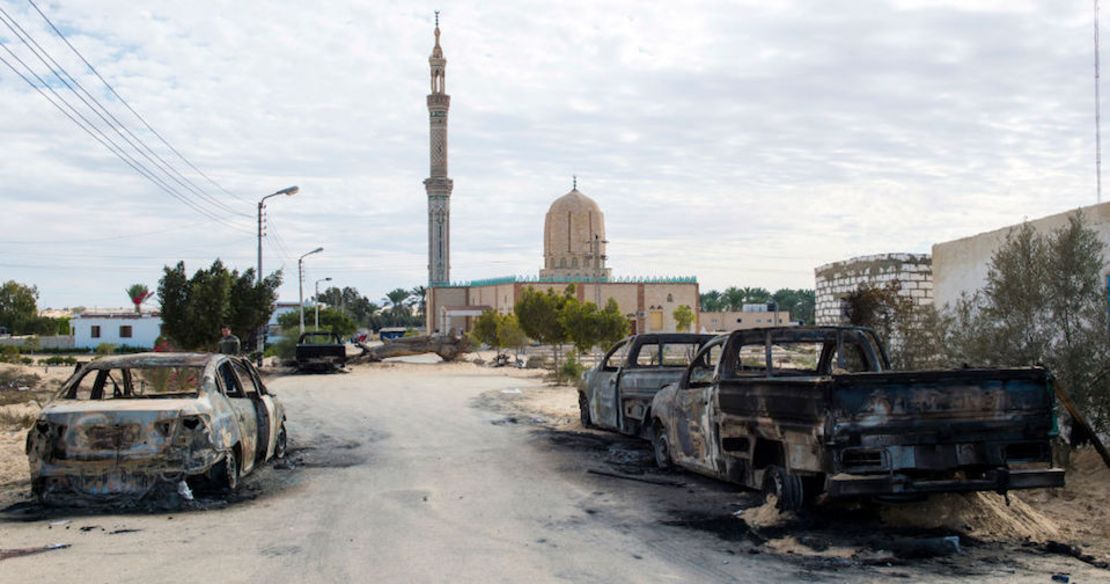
(316,299)
(300,282)
(289,191)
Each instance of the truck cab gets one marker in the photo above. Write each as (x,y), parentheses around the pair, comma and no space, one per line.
(618,391)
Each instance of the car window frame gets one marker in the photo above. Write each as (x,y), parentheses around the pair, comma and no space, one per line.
(705,350)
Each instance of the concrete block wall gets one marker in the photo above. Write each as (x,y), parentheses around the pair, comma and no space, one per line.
(833,281)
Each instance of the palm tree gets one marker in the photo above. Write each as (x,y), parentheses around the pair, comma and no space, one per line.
(420,299)
(711,301)
(139,293)
(733,298)
(396,299)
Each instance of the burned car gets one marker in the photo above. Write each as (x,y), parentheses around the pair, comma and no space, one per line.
(803,412)
(123,425)
(618,391)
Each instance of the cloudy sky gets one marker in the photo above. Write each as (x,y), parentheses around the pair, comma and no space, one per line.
(741,142)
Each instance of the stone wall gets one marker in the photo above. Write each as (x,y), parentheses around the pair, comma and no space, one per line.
(913,271)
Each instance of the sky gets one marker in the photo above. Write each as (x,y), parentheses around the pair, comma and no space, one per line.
(744,143)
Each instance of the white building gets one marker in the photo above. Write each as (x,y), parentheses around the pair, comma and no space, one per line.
(123,327)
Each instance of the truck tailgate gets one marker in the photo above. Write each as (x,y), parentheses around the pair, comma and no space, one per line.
(933,420)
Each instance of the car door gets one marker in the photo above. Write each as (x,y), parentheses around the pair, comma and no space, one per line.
(245,414)
(604,410)
(265,410)
(694,431)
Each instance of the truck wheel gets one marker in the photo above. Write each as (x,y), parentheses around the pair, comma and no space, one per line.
(584,411)
(784,486)
(660,446)
(225,474)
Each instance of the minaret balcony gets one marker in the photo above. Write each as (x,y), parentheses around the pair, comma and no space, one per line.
(441,100)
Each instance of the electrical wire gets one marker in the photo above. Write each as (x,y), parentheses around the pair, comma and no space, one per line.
(102,138)
(128,105)
(61,74)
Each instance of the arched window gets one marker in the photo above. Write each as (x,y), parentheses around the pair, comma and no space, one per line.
(670,297)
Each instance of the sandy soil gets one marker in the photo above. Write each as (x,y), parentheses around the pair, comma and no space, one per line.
(1077,515)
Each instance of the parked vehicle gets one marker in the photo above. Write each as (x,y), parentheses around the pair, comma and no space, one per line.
(619,390)
(393,332)
(320,351)
(123,425)
(805,411)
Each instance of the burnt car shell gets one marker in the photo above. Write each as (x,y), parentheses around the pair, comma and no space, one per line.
(124,446)
(767,419)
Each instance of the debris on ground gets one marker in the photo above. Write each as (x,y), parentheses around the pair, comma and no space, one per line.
(20,552)
(980,515)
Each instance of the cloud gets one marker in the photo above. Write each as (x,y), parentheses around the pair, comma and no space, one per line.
(744,143)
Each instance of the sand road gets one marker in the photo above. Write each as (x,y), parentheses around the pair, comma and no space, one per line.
(409,473)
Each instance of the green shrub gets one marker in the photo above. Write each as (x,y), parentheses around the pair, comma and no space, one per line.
(571,370)
(59,360)
(105,349)
(9,354)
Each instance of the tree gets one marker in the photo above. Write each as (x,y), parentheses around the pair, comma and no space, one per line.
(732,299)
(614,325)
(538,314)
(684,317)
(139,293)
(711,301)
(396,300)
(419,299)
(1044,304)
(17,307)
(332,320)
(509,333)
(485,329)
(582,323)
(194,309)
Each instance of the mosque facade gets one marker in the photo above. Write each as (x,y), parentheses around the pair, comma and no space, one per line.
(574,252)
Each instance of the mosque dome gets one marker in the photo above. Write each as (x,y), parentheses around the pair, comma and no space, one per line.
(573,228)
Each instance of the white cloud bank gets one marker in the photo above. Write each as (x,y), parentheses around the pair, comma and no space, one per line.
(742,142)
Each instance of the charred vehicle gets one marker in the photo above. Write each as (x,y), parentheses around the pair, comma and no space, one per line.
(808,411)
(320,351)
(619,390)
(121,426)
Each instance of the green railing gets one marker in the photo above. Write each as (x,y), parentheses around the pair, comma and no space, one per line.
(567,280)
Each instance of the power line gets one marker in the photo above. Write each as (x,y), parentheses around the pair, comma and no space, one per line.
(58,70)
(104,141)
(128,105)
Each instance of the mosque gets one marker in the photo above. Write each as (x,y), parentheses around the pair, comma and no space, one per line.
(574,246)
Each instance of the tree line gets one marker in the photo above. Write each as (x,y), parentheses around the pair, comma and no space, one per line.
(800,302)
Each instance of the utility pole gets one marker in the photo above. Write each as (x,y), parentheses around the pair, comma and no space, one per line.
(288,191)
(1098,117)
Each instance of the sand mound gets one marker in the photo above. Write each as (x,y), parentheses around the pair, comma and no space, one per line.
(980,515)
(765,516)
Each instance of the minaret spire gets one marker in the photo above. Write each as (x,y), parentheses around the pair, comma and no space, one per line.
(438,186)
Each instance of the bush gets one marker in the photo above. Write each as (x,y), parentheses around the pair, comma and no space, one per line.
(105,349)
(59,360)
(571,370)
(9,354)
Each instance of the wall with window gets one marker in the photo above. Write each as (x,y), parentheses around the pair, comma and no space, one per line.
(133,330)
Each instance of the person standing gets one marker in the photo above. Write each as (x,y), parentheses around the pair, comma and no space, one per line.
(229,344)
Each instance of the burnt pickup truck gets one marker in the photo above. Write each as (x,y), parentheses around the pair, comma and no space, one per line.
(802,412)
(619,390)
(320,351)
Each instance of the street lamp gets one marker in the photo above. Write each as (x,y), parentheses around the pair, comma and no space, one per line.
(290,191)
(300,281)
(316,299)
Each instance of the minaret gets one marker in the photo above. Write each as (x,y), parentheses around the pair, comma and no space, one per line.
(437,185)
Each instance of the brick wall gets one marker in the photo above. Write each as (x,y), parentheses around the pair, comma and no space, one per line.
(833,281)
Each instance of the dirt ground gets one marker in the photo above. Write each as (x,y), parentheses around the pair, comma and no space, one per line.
(425,471)
(1074,520)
